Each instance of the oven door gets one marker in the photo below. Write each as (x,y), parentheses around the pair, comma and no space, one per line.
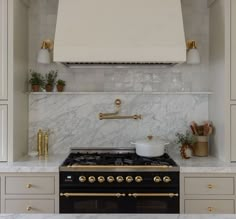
(118,202)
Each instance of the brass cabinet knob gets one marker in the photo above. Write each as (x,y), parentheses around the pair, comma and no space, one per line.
(101,179)
(166,179)
(110,179)
(157,179)
(210,209)
(210,186)
(119,179)
(129,179)
(28,186)
(138,179)
(28,208)
(91,179)
(82,179)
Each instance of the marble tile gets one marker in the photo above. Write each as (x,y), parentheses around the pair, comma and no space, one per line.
(73,119)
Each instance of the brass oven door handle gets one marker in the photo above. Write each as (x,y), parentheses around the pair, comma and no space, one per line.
(117,195)
(170,195)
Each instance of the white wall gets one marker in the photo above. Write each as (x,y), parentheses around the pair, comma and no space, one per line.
(42,21)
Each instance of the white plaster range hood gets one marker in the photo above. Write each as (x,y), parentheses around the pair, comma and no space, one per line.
(119,32)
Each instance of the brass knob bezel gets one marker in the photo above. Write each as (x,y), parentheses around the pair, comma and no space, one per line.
(110,179)
(166,179)
(157,179)
(101,179)
(138,179)
(82,179)
(119,179)
(129,179)
(92,179)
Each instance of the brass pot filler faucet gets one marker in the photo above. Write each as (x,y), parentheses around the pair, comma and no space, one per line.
(116,115)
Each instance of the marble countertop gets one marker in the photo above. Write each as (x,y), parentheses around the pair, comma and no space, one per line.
(116,216)
(52,163)
(48,164)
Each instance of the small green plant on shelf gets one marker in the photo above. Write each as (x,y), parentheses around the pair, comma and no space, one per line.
(186,141)
(60,85)
(50,78)
(37,81)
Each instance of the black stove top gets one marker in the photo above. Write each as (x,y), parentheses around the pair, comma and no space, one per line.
(116,159)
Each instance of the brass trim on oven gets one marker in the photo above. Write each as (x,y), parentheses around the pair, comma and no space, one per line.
(122,167)
(135,195)
(118,195)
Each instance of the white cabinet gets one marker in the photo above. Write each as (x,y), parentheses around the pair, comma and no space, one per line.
(3,49)
(207,193)
(233,50)
(33,193)
(3,132)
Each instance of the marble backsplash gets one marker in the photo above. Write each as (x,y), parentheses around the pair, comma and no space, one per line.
(73,118)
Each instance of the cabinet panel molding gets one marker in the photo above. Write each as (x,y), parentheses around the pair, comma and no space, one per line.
(3,49)
(3,132)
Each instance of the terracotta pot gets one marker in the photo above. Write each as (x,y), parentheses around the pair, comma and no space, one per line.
(49,88)
(60,88)
(35,88)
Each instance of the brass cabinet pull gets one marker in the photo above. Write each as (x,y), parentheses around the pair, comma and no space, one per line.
(210,186)
(118,195)
(171,195)
(29,208)
(28,186)
(210,209)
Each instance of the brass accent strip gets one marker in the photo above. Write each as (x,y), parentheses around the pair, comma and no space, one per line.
(120,167)
(118,195)
(171,195)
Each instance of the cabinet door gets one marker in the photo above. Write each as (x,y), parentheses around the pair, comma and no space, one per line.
(3,132)
(232,132)
(233,50)
(3,49)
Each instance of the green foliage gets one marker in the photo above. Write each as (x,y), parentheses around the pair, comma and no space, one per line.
(186,139)
(36,78)
(61,82)
(51,77)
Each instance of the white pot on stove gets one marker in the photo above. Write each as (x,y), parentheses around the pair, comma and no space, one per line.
(150,147)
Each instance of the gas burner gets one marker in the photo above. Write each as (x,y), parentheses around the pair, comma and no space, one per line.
(116,159)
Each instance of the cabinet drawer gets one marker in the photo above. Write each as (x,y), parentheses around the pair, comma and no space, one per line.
(29,206)
(30,185)
(209,186)
(209,206)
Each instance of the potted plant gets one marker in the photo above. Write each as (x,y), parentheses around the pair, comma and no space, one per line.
(187,141)
(60,85)
(50,80)
(36,81)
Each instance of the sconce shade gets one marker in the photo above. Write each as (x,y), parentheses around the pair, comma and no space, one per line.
(44,56)
(193,56)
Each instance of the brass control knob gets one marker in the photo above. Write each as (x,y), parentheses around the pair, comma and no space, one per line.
(138,179)
(119,179)
(166,179)
(101,179)
(110,179)
(28,186)
(157,179)
(82,179)
(129,179)
(91,179)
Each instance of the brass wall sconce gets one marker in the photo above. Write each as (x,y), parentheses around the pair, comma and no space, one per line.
(193,56)
(116,115)
(44,53)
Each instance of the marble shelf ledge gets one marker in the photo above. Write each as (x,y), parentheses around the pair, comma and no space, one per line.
(123,93)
